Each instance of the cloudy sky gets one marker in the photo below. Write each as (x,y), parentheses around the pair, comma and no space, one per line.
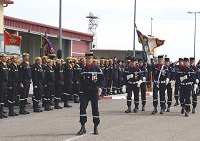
(171,21)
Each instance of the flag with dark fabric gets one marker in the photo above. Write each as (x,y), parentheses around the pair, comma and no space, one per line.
(144,41)
(11,39)
(47,46)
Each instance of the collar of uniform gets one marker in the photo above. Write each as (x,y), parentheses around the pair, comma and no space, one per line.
(89,66)
(4,63)
(26,62)
(15,64)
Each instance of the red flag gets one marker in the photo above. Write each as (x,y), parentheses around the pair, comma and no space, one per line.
(11,39)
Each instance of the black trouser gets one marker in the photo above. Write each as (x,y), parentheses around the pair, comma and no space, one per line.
(25,91)
(68,87)
(12,93)
(119,85)
(90,95)
(3,92)
(135,89)
(76,90)
(169,95)
(143,88)
(161,89)
(58,91)
(49,92)
(109,84)
(177,90)
(194,99)
(185,94)
(37,92)
(114,86)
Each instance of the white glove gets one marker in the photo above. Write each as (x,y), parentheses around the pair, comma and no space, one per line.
(129,76)
(195,88)
(144,79)
(183,78)
(172,84)
(124,89)
(197,81)
(167,81)
(139,83)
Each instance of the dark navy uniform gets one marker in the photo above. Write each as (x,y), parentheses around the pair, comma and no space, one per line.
(25,79)
(106,77)
(134,79)
(197,76)
(13,84)
(187,79)
(50,80)
(110,77)
(68,81)
(91,80)
(120,80)
(58,84)
(170,85)
(143,86)
(115,77)
(159,84)
(39,81)
(177,84)
(76,82)
(3,86)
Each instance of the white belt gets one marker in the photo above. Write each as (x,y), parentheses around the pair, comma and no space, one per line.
(190,83)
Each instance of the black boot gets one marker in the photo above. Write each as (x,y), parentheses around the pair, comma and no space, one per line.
(21,106)
(10,107)
(25,106)
(82,130)
(57,104)
(66,98)
(186,114)
(162,111)
(135,110)
(168,109)
(128,110)
(14,111)
(46,107)
(49,104)
(96,130)
(76,98)
(1,111)
(176,104)
(35,107)
(193,111)
(182,110)
(143,107)
(154,111)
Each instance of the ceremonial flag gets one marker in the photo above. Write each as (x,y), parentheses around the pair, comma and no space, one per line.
(149,43)
(47,46)
(11,39)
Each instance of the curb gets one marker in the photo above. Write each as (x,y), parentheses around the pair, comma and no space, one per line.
(121,96)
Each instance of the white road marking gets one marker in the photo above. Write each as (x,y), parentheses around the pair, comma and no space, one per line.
(77,137)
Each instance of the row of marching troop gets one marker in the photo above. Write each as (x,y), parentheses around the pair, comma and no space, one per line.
(181,77)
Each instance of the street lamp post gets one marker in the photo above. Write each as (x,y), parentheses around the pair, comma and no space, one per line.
(59,52)
(151,26)
(134,29)
(195,13)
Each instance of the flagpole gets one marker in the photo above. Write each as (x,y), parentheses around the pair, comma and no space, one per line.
(60,30)
(134,29)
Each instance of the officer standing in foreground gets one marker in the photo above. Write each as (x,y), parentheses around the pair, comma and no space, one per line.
(92,82)
(161,79)
(187,78)
(3,83)
(134,80)
(25,80)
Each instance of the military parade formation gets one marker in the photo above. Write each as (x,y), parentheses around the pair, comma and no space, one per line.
(86,79)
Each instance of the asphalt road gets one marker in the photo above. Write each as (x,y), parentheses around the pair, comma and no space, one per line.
(63,125)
